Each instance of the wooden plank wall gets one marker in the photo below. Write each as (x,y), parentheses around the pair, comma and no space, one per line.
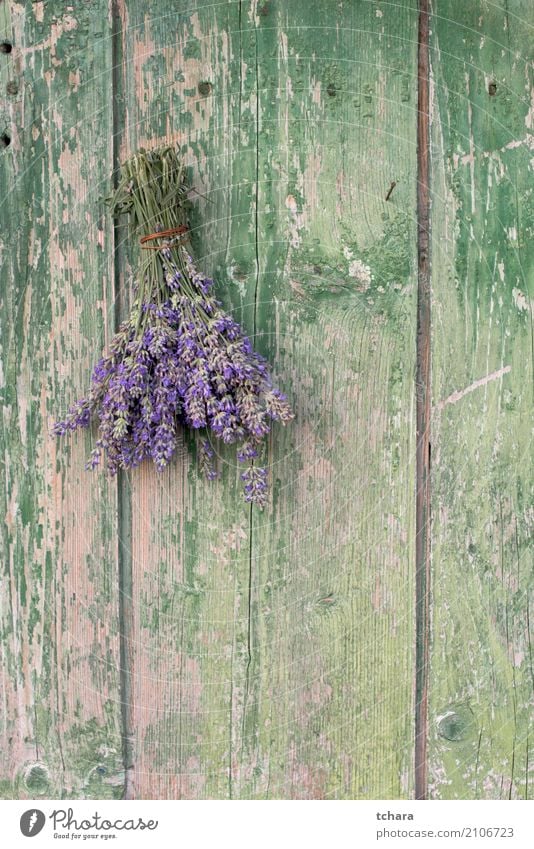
(249,619)
(160,639)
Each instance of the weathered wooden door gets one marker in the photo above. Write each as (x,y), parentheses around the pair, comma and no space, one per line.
(159,638)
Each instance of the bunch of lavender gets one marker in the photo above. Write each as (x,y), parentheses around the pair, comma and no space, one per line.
(179,359)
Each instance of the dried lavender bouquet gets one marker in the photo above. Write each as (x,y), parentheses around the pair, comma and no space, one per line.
(180,359)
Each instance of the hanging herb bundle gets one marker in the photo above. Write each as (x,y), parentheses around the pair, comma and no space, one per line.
(179,359)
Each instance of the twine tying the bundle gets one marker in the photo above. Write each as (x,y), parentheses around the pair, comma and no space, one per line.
(172,231)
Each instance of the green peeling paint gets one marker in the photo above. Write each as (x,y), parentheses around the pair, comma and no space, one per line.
(271,655)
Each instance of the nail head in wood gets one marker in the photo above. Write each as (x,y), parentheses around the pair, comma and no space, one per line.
(204,88)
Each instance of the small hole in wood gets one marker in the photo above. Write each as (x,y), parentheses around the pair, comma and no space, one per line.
(492,89)
(6,47)
(452,728)
(204,88)
(5,141)
(331,90)
(12,87)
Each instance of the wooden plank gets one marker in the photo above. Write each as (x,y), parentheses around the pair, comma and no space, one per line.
(60,725)
(423,394)
(274,652)
(330,714)
(189,539)
(481,673)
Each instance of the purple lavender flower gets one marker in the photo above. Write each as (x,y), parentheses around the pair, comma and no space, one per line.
(255,485)
(179,360)
(206,463)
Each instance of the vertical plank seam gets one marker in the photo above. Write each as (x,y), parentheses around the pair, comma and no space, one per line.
(254,327)
(124,553)
(423,396)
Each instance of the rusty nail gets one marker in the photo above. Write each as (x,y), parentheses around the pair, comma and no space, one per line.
(390,190)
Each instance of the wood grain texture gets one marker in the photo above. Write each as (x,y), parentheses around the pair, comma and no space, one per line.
(337,311)
(60,723)
(423,394)
(273,653)
(481,672)
(188,539)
